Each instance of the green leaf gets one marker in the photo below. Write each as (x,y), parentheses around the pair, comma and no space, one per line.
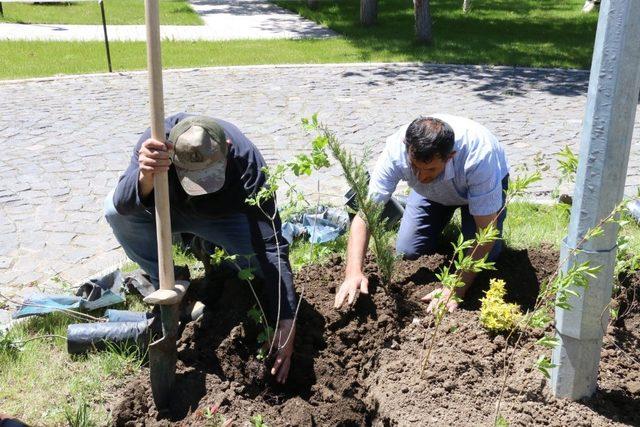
(614,313)
(220,255)
(246,274)
(501,422)
(543,364)
(255,315)
(264,336)
(548,341)
(320,142)
(539,319)
(262,354)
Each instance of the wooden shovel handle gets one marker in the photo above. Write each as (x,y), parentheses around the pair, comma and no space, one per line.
(160,180)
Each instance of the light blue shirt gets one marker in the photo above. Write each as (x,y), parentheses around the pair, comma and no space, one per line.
(472,177)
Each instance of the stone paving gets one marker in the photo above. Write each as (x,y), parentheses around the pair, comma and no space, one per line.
(223,20)
(65,140)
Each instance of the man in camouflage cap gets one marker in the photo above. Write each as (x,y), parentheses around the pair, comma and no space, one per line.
(212,169)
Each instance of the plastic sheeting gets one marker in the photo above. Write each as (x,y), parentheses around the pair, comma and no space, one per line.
(91,295)
(325,225)
(83,337)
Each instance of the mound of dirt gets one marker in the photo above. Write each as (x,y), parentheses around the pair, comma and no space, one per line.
(361,366)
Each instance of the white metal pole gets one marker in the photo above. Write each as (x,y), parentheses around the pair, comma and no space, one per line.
(604,154)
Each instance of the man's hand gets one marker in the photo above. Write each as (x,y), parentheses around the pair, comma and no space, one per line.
(153,157)
(438,297)
(284,344)
(353,285)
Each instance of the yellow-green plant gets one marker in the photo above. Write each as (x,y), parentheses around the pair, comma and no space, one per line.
(496,315)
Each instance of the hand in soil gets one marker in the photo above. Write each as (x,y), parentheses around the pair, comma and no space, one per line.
(284,341)
(439,296)
(352,286)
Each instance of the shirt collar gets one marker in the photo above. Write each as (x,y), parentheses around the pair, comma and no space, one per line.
(449,170)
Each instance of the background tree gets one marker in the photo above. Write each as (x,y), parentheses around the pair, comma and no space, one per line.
(368,12)
(422,14)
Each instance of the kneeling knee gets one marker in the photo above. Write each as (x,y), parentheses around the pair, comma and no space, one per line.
(413,253)
(109,210)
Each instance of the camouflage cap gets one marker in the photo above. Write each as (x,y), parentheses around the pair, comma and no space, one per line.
(200,154)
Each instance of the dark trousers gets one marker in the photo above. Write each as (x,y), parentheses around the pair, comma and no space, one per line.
(424,220)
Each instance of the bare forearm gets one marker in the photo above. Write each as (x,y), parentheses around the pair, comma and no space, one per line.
(357,245)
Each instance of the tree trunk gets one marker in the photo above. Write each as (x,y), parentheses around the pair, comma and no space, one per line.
(312,4)
(423,21)
(466,4)
(368,12)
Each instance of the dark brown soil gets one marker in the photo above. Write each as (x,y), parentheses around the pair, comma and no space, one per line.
(361,366)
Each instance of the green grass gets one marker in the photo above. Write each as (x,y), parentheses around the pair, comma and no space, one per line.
(302,253)
(539,33)
(117,12)
(19,59)
(41,384)
(531,225)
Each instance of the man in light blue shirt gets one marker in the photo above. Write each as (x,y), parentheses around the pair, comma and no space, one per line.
(449,162)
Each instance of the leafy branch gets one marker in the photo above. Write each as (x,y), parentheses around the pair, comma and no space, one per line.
(355,173)
(463,260)
(302,164)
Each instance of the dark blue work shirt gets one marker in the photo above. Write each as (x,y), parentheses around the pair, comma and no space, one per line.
(244,178)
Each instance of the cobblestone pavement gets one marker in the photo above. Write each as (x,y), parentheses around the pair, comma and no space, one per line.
(65,140)
(223,20)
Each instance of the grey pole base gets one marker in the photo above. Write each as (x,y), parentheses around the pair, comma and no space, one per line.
(578,376)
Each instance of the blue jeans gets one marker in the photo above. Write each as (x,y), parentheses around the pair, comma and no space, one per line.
(424,220)
(137,235)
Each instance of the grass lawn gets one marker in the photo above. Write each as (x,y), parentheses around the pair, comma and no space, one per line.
(538,33)
(35,59)
(43,385)
(117,12)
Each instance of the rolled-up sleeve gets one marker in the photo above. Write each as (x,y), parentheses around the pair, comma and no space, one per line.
(484,180)
(386,174)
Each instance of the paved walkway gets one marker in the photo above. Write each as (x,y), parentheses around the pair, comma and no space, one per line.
(223,20)
(65,140)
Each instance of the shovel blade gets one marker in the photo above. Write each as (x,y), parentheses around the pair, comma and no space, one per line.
(163,357)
